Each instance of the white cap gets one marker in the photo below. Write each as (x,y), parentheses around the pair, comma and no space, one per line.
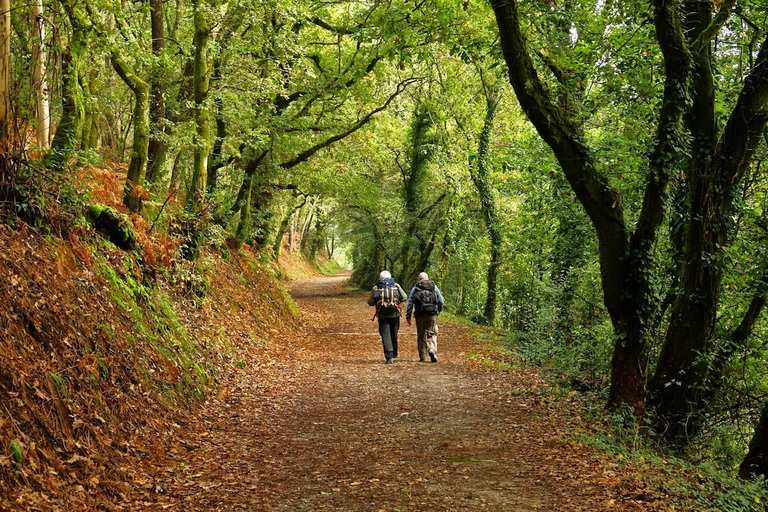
(385,274)
(423,276)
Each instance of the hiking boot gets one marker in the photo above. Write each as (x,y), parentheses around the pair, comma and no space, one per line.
(422,360)
(389,361)
(432,356)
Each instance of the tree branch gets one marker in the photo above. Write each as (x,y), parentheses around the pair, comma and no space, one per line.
(431,207)
(306,154)
(336,30)
(709,33)
(601,202)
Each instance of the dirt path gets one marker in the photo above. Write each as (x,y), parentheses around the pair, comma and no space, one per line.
(327,426)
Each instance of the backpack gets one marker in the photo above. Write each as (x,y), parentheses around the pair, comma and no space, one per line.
(425,298)
(388,302)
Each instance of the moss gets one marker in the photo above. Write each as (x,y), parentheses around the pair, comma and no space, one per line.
(103,368)
(61,385)
(113,225)
(17,454)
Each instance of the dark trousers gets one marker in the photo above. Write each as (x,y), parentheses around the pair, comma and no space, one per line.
(388,328)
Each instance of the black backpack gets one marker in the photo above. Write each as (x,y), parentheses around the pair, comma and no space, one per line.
(387,300)
(425,298)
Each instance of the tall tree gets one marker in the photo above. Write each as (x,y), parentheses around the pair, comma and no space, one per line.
(133,194)
(201,81)
(6,115)
(419,241)
(69,130)
(684,34)
(39,80)
(480,173)
(156,151)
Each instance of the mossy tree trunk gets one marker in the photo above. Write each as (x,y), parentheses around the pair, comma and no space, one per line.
(625,257)
(480,174)
(200,86)
(90,133)
(156,153)
(287,220)
(5,73)
(414,177)
(133,193)
(68,132)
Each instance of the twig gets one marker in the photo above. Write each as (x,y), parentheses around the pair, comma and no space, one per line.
(173,192)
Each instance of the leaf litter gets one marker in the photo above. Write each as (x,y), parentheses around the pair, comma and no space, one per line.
(330,427)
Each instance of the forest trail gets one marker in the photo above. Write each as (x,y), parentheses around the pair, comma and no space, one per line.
(327,426)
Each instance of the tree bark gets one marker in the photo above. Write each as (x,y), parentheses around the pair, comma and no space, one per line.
(133,193)
(288,219)
(6,119)
(413,184)
(680,372)
(756,461)
(39,82)
(69,130)
(156,152)
(480,174)
(200,88)
(625,261)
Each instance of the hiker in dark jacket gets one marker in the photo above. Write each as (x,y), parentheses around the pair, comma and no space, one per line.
(386,296)
(425,302)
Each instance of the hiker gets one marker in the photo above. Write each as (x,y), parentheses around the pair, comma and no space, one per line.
(386,297)
(425,302)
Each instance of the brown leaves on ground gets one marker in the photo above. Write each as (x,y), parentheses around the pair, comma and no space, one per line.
(323,424)
(94,374)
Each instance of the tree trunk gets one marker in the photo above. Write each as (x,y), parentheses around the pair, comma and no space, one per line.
(682,367)
(756,461)
(6,115)
(90,133)
(288,219)
(133,193)
(244,225)
(69,130)
(202,116)
(215,162)
(625,261)
(481,178)
(413,184)
(39,82)
(156,152)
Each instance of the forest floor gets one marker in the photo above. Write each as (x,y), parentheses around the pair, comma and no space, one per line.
(325,425)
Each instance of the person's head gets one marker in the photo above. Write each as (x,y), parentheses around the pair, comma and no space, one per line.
(423,276)
(385,275)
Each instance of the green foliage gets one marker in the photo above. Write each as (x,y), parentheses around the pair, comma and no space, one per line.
(305,152)
(678,482)
(61,385)
(17,453)
(115,226)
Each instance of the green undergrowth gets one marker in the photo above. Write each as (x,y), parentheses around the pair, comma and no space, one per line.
(328,267)
(661,476)
(178,367)
(647,472)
